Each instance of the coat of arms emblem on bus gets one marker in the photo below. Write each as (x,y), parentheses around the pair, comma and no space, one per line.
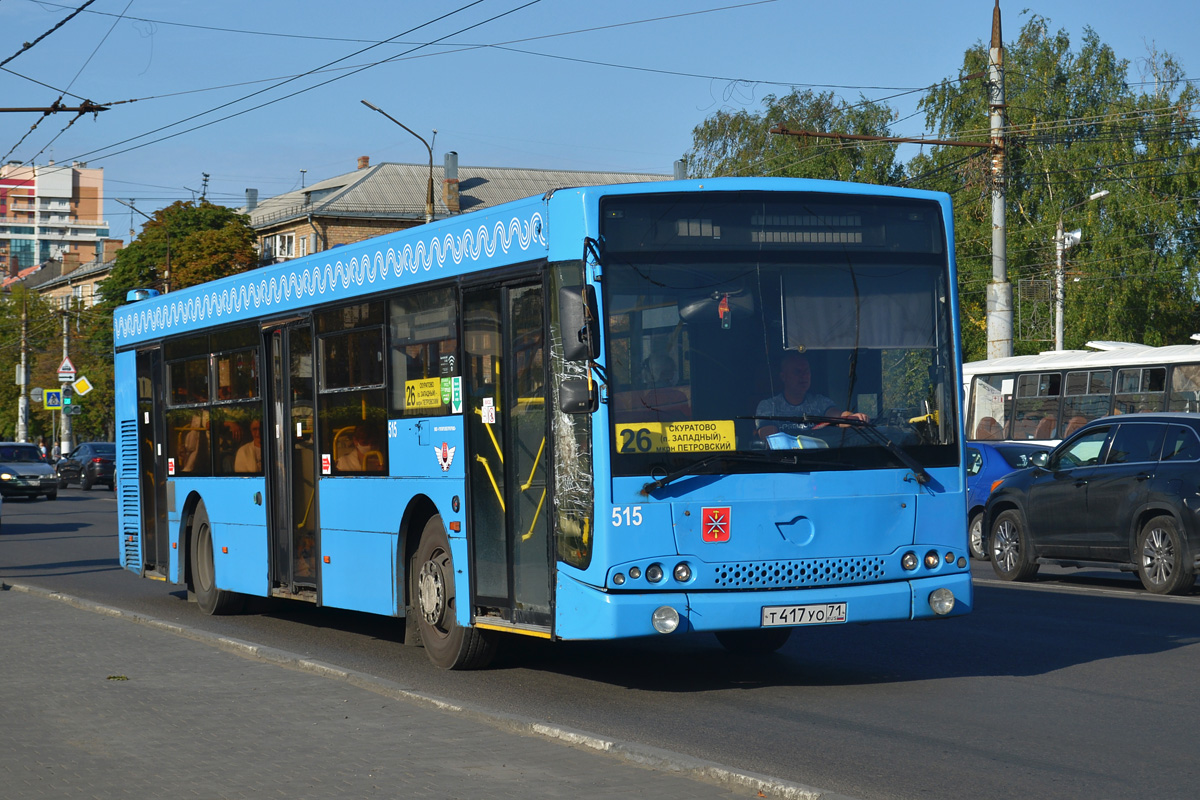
(716,524)
(445,454)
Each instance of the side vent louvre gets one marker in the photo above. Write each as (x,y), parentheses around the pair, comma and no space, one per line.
(128,496)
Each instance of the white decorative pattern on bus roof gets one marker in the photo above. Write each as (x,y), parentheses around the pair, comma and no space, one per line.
(261,293)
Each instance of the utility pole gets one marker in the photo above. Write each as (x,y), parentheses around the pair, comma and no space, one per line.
(65,446)
(23,379)
(999,291)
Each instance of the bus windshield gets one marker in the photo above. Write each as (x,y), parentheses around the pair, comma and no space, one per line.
(795,309)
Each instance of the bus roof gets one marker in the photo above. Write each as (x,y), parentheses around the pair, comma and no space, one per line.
(506,234)
(1113,354)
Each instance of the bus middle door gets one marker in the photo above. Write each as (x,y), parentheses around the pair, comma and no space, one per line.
(508,534)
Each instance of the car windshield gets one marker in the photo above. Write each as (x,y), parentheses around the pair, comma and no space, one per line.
(1019,457)
(731,319)
(19,452)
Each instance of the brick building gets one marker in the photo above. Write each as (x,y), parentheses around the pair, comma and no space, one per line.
(379,199)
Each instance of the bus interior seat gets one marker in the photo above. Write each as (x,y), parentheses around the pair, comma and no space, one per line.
(1046,428)
(988,430)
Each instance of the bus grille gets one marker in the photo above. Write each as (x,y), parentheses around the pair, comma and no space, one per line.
(789,574)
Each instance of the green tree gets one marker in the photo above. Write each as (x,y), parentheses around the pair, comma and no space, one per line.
(44,354)
(1078,123)
(202,242)
(738,142)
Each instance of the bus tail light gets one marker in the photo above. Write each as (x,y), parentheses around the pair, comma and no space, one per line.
(665,619)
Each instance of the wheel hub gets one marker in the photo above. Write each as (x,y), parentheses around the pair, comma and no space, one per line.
(1158,557)
(431,588)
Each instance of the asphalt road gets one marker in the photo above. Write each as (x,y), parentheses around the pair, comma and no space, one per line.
(1079,685)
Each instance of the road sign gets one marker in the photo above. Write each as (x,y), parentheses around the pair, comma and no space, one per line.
(82,386)
(35,395)
(66,371)
(52,399)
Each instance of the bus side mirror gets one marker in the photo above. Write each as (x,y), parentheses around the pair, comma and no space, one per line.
(578,396)
(580,323)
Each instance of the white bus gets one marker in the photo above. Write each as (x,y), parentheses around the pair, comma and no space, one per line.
(1044,398)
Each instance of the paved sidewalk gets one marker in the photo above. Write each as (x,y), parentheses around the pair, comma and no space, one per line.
(95,705)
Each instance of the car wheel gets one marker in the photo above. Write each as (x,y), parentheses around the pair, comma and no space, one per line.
(85,483)
(1160,558)
(62,482)
(52,494)
(1012,557)
(447,644)
(204,574)
(975,537)
(754,642)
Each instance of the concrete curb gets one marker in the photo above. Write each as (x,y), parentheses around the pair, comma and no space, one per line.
(696,769)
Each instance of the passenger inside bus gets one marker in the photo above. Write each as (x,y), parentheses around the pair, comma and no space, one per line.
(362,454)
(249,455)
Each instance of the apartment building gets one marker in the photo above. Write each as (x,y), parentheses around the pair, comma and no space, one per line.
(50,213)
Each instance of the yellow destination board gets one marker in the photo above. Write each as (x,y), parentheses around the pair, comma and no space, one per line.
(676,437)
(426,393)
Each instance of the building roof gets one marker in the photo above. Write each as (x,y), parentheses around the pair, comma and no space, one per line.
(49,274)
(390,191)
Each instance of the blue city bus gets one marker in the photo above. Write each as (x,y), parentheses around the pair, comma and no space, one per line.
(574,417)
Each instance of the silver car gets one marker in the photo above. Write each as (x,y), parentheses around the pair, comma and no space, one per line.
(24,472)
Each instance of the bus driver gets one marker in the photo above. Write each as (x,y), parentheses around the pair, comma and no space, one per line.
(796,400)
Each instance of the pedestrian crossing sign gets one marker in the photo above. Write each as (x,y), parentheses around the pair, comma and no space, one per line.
(52,399)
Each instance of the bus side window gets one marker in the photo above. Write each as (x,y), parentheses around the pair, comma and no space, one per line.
(352,401)
(423,353)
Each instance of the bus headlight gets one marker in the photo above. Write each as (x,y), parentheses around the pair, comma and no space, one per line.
(941,601)
(931,559)
(909,560)
(683,572)
(665,619)
(654,573)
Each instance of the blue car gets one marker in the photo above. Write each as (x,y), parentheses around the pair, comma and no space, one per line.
(988,462)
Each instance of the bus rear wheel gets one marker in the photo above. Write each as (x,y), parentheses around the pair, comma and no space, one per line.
(211,600)
(754,642)
(448,645)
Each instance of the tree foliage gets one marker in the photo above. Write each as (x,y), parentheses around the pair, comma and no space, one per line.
(739,142)
(200,242)
(1080,120)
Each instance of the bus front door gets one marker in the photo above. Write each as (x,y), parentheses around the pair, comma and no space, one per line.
(508,533)
(292,465)
(152,483)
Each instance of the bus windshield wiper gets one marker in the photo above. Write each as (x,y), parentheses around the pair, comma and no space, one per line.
(870,432)
(715,458)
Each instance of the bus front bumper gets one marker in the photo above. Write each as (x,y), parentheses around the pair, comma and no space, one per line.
(584,612)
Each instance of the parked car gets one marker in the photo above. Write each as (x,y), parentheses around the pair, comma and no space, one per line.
(88,464)
(24,472)
(987,463)
(1121,492)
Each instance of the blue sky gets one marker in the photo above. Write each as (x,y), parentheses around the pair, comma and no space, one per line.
(614,85)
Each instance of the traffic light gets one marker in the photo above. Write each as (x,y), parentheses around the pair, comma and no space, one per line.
(67,394)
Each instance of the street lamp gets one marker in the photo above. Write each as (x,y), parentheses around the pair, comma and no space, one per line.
(1064,241)
(429,195)
(166,232)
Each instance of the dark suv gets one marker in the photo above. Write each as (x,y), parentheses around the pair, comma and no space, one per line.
(88,464)
(1122,492)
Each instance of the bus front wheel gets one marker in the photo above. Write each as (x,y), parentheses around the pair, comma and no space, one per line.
(448,644)
(211,600)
